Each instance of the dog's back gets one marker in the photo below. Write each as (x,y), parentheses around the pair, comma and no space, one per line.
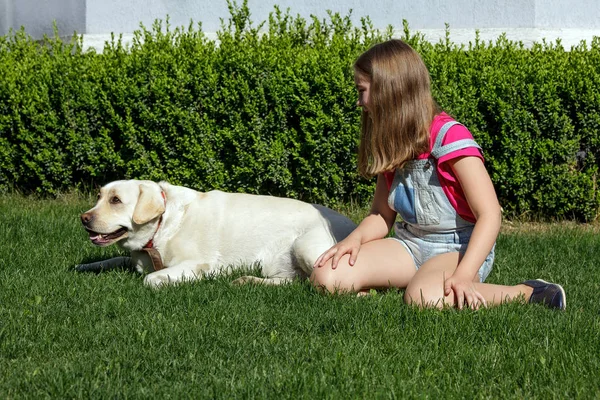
(225,229)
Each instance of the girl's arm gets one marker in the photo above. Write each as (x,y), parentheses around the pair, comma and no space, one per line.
(481,196)
(381,217)
(374,226)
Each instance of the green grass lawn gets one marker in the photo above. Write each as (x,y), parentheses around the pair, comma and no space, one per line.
(65,334)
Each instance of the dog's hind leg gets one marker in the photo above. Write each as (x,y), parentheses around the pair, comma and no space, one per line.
(296,263)
(308,247)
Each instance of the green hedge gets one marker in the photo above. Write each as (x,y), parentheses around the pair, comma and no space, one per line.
(270,108)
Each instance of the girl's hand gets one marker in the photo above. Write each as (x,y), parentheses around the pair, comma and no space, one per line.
(349,245)
(464,292)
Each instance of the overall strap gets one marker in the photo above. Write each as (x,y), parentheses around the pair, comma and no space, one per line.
(439,150)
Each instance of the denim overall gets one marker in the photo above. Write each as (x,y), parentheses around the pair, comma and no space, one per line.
(430,225)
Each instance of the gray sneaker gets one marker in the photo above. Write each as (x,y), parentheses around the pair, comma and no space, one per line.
(549,294)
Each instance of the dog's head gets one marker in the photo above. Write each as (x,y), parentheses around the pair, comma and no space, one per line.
(126,212)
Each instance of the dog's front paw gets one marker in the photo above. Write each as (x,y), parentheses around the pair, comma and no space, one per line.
(247,279)
(156,281)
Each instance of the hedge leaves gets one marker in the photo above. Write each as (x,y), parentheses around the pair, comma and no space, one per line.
(271,108)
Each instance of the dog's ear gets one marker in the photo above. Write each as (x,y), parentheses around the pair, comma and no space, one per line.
(150,205)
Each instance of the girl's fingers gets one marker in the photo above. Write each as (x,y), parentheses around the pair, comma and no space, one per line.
(335,254)
(317,263)
(447,288)
(336,258)
(471,297)
(468,299)
(481,300)
(476,301)
(460,299)
(322,258)
(353,256)
(331,253)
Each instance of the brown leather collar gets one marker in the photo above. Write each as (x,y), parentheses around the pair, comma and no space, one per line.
(155,258)
(149,248)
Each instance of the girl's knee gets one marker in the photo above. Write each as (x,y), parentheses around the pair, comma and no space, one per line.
(424,296)
(331,280)
(414,295)
(319,277)
(322,278)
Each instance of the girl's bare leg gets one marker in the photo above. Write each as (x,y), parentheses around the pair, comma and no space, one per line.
(426,289)
(380,264)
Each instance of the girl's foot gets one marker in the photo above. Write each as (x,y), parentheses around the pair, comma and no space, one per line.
(549,294)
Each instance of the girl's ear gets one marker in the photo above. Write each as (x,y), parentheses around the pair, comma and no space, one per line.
(150,205)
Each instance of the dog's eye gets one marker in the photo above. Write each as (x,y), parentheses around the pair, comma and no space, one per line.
(115,200)
(98,197)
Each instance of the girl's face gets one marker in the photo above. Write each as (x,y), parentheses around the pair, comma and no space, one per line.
(362,85)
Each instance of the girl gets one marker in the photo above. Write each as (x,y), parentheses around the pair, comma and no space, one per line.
(430,171)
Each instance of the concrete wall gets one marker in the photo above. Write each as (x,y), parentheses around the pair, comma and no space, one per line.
(38,16)
(525,20)
(567,14)
(116,15)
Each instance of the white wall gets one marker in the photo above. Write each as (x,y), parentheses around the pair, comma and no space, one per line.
(525,20)
(38,16)
(116,15)
(567,14)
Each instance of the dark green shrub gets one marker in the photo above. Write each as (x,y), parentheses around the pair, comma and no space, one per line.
(270,108)
(533,111)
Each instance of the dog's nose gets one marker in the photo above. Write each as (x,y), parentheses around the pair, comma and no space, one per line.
(86,218)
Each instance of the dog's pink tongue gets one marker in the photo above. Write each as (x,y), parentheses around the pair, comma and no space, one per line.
(96,238)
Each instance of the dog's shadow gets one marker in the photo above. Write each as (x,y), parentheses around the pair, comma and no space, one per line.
(116,263)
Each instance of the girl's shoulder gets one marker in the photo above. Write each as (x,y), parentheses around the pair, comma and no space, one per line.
(456,132)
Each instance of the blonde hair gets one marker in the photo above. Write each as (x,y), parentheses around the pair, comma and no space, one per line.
(401,107)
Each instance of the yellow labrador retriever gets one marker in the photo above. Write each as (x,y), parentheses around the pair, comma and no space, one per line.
(176,233)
